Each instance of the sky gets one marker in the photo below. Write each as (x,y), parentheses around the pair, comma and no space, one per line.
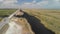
(30,4)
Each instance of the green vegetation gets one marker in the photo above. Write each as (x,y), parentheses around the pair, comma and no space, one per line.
(6,12)
(0,19)
(50,18)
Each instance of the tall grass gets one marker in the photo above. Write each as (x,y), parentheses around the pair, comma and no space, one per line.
(50,18)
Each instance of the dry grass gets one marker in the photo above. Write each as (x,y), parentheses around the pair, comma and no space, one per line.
(50,18)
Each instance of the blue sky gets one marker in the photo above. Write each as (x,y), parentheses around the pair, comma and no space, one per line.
(30,4)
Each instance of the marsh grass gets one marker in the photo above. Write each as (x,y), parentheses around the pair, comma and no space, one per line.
(50,18)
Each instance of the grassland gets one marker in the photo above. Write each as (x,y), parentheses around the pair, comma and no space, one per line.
(50,18)
(5,12)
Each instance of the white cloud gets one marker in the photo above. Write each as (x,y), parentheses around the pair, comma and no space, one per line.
(30,3)
(27,3)
(42,3)
(53,4)
(57,0)
(1,0)
(9,4)
(34,1)
(34,4)
(10,1)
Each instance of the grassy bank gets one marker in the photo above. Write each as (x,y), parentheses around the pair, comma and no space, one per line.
(50,18)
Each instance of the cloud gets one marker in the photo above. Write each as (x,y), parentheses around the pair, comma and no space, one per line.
(30,4)
(9,4)
(34,1)
(34,4)
(57,0)
(1,0)
(53,4)
(42,3)
(9,1)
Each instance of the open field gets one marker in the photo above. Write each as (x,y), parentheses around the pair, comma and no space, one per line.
(5,12)
(50,18)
